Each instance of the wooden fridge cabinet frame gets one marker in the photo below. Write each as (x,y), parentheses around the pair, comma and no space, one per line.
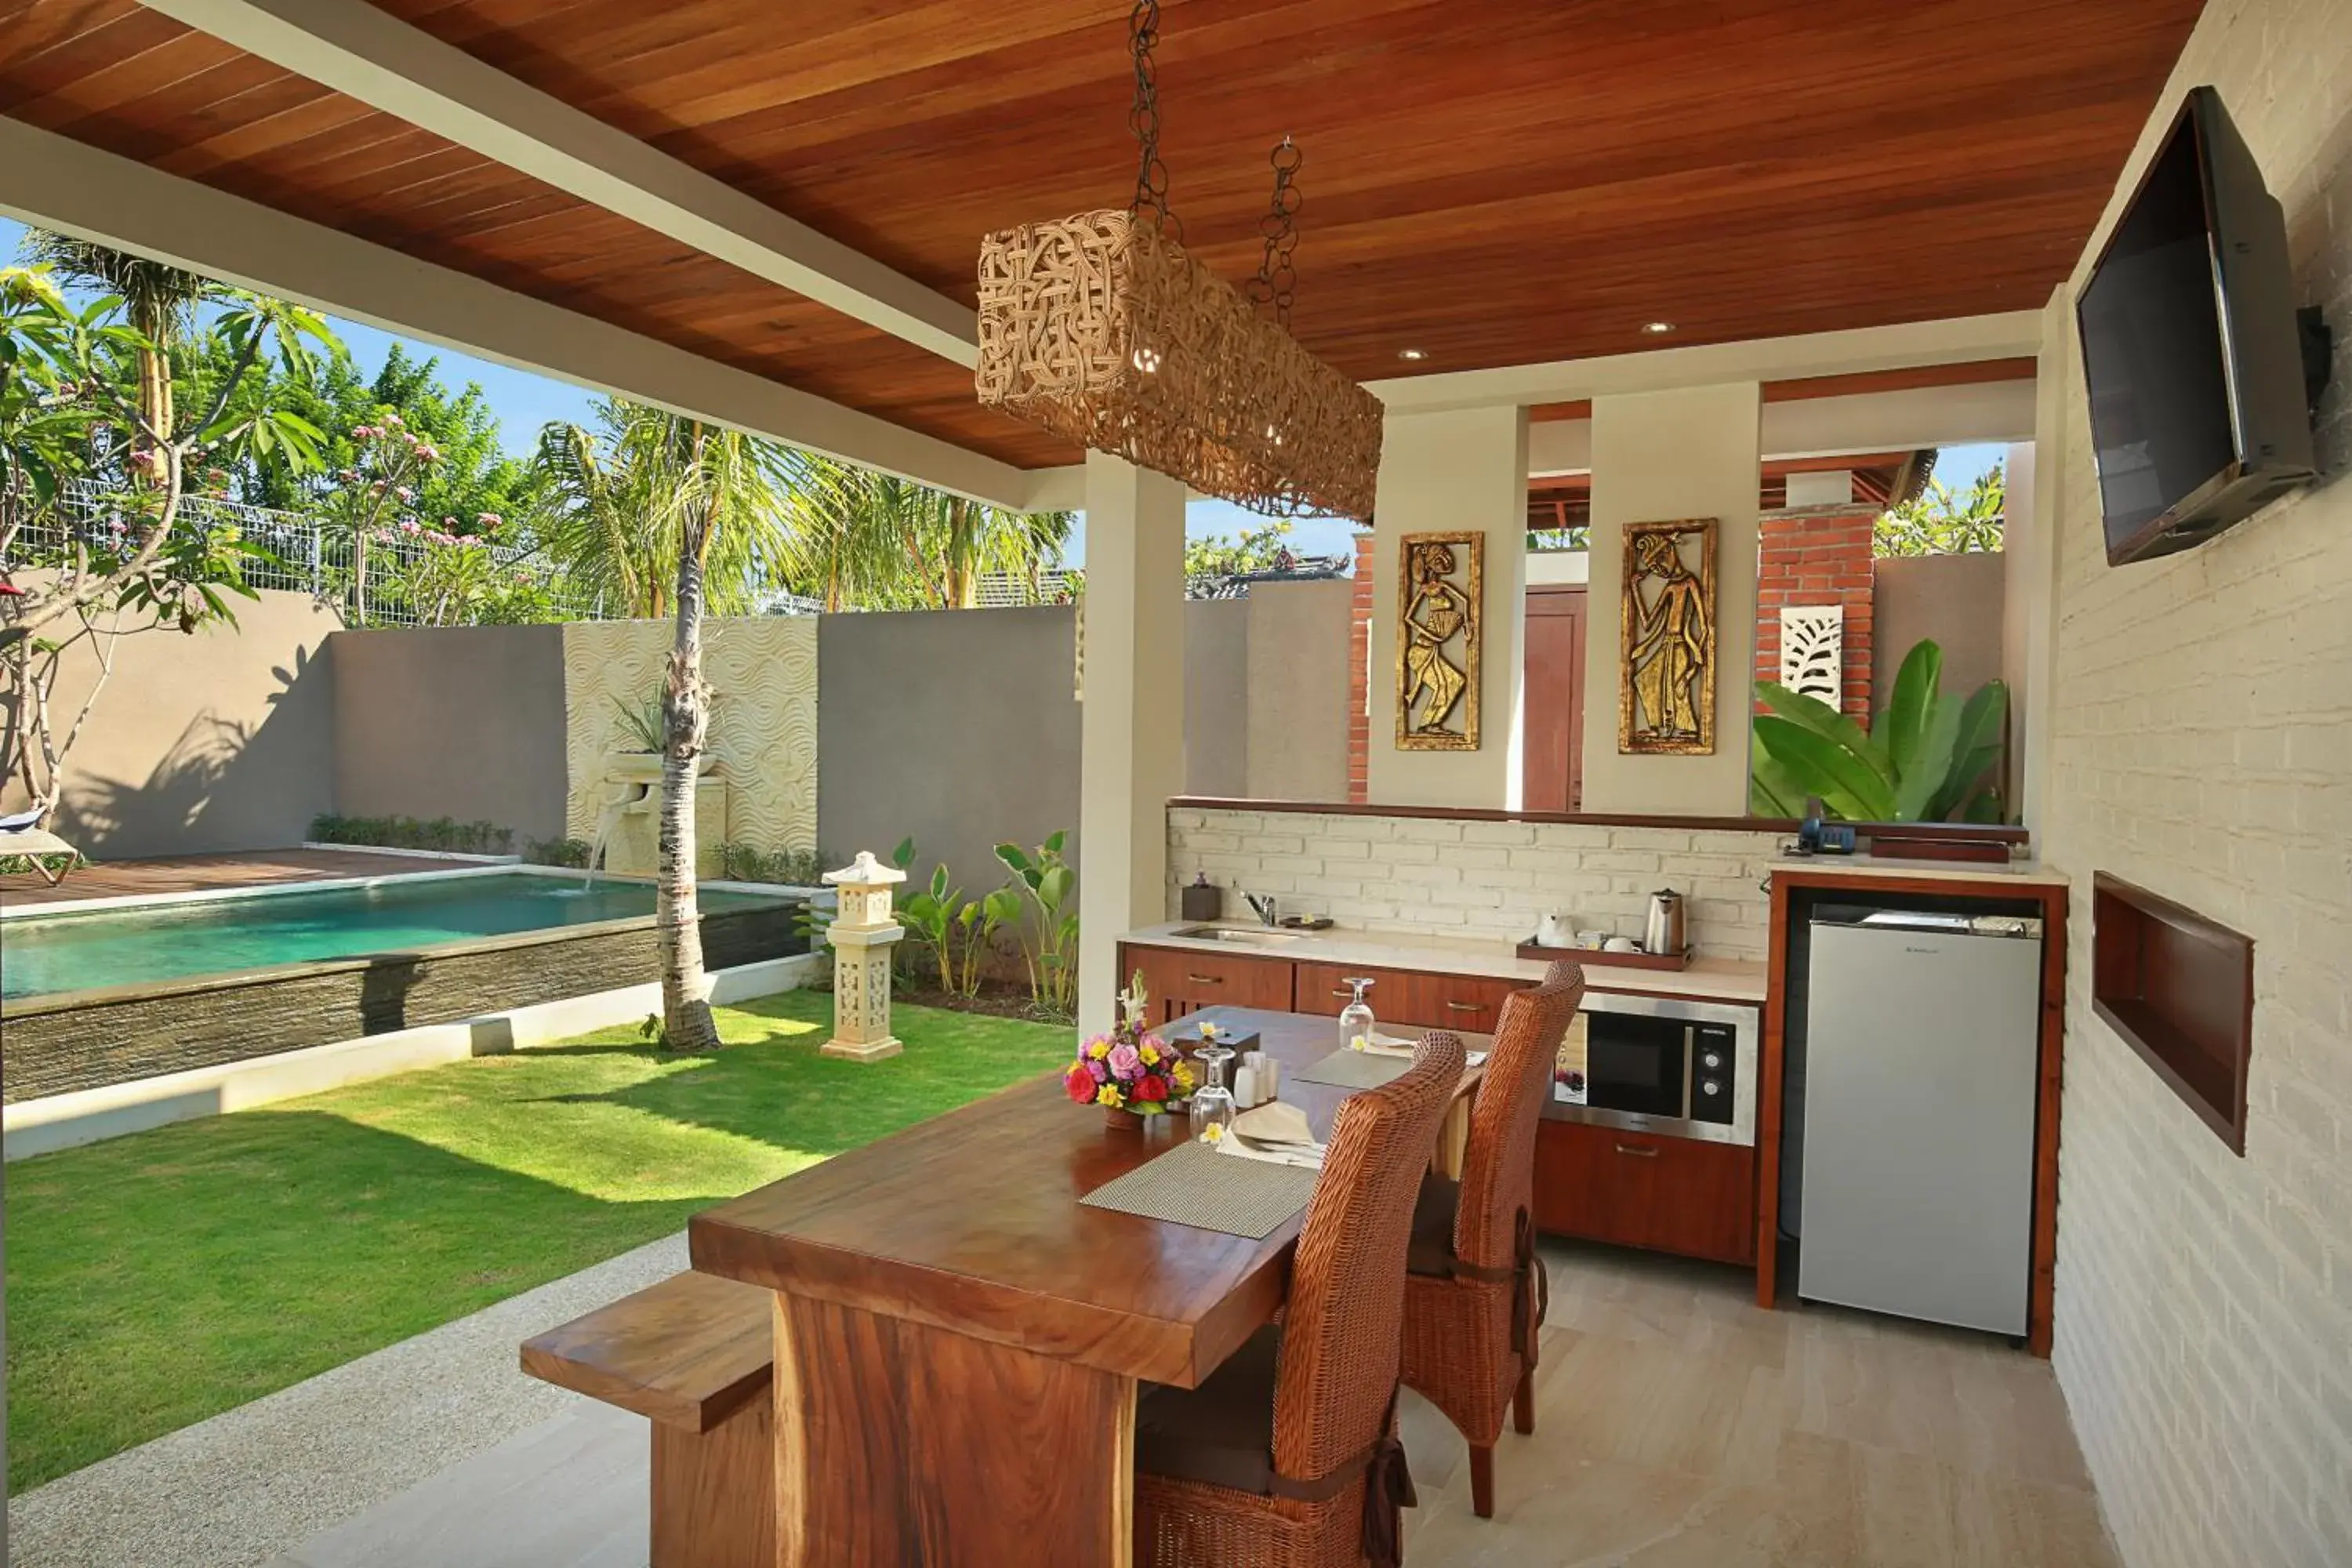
(2052,897)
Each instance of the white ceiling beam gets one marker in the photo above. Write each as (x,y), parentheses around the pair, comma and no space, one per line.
(58,182)
(1956,341)
(369,55)
(1971,414)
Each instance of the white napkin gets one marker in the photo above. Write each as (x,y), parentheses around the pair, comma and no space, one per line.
(1380,1045)
(1275,1132)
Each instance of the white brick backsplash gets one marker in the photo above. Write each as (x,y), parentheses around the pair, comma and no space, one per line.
(2202,746)
(1483,879)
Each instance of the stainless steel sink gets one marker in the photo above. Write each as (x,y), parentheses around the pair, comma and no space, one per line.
(1242,938)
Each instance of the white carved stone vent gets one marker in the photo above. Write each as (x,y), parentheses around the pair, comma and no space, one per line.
(1813,651)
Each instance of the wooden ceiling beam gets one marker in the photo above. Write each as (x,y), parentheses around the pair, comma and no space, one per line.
(58,182)
(368,55)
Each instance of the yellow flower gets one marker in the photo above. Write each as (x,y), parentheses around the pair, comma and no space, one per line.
(1211,1133)
(1110,1096)
(1099,1050)
(1182,1074)
(1150,1054)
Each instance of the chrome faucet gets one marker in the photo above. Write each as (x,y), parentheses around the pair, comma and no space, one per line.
(1263,906)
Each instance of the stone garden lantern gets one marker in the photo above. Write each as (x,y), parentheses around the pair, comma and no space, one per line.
(863,932)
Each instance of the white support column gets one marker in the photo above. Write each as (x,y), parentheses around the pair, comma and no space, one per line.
(1131,749)
(1658,456)
(2030,553)
(1445,472)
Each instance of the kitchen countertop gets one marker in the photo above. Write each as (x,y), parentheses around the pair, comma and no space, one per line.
(1708,979)
(1863,867)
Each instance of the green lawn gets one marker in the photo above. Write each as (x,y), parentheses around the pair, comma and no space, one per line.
(159,1278)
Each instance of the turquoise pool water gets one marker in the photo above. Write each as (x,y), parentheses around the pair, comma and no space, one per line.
(41,954)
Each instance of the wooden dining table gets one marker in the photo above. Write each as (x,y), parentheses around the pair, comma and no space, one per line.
(959,1341)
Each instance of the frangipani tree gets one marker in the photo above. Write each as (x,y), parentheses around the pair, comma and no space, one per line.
(78,392)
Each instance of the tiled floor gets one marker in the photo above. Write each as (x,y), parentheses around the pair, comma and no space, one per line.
(1677,1428)
(191,873)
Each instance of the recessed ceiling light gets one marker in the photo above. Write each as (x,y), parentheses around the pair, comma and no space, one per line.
(1657,328)
(1412,354)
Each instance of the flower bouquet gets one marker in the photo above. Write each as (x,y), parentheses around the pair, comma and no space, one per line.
(1130,1071)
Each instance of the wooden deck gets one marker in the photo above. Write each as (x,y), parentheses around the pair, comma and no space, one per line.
(192,873)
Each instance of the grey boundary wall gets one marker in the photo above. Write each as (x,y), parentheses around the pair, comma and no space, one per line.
(958,727)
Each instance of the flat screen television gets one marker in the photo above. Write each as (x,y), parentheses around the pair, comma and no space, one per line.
(2190,346)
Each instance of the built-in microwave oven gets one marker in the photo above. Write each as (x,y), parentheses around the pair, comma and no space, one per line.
(1655,1064)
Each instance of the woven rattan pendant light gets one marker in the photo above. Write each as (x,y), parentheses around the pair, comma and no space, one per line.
(1102,329)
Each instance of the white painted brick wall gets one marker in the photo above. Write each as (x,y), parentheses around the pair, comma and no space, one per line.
(1478,879)
(2202,747)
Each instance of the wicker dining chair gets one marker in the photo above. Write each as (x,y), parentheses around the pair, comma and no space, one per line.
(1287,1456)
(1473,1295)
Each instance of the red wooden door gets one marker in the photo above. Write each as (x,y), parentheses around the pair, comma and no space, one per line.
(1552,765)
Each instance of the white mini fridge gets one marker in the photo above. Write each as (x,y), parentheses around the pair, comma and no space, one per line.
(1921,1047)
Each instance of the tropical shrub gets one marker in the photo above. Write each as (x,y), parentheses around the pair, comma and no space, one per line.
(749,863)
(570,853)
(445,834)
(1930,758)
(1049,927)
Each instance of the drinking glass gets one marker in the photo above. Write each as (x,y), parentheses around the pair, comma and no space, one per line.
(1355,1017)
(1213,1103)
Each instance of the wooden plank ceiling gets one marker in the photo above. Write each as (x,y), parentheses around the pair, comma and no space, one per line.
(1491,184)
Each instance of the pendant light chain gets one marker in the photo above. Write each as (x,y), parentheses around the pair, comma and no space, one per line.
(1143,119)
(1276,279)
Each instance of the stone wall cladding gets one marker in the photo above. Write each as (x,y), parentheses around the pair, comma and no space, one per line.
(1359,661)
(1478,879)
(2202,747)
(52,1051)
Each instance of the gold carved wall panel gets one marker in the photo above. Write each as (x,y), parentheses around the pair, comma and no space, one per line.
(1666,647)
(1441,622)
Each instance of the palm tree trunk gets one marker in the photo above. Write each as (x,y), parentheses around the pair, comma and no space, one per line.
(686,1023)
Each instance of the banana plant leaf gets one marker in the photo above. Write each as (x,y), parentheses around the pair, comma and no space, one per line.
(1847,784)
(1983,729)
(1926,776)
(1772,789)
(1829,723)
(1905,723)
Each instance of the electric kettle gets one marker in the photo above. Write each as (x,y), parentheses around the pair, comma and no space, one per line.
(1664,932)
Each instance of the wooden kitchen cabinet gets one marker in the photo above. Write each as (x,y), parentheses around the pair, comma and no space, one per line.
(1180,980)
(1407,999)
(1643,1189)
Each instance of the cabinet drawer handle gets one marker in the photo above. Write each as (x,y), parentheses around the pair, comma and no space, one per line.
(1639,1154)
(1465,1006)
(1204,980)
(1341,991)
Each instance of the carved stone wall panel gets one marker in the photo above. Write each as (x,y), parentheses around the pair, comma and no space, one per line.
(763,724)
(1813,651)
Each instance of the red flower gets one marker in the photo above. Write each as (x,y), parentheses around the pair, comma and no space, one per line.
(1079,1084)
(1153,1089)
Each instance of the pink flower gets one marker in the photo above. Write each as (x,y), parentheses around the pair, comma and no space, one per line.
(1124,1062)
(492,520)
(404,494)
(363,432)
(410,525)
(391,419)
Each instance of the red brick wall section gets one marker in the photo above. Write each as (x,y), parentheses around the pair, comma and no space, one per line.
(1820,556)
(1359,640)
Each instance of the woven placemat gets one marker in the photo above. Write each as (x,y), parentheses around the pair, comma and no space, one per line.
(1193,1184)
(1354,1069)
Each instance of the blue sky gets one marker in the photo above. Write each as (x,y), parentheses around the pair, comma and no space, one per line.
(524,401)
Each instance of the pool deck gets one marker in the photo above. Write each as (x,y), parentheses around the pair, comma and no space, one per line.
(205,873)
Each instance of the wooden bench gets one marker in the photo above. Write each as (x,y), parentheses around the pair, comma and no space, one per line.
(696,1354)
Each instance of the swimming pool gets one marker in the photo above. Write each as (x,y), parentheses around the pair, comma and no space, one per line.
(96,998)
(45,954)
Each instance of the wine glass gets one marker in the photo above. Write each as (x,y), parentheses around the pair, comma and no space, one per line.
(1355,1017)
(1213,1103)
